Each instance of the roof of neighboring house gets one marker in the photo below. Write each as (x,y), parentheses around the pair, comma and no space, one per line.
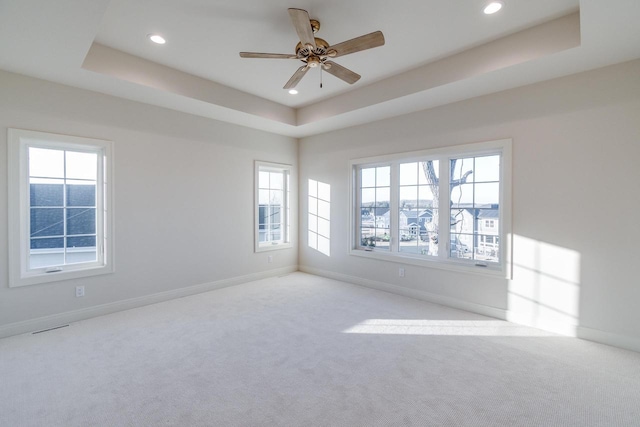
(375,211)
(489,214)
(410,214)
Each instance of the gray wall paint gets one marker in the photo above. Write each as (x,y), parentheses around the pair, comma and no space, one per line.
(576,145)
(183,195)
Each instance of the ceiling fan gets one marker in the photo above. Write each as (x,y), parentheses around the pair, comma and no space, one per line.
(315,52)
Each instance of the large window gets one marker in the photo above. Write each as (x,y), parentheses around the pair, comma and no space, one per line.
(59,207)
(272,206)
(443,207)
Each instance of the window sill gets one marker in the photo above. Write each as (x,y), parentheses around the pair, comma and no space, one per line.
(275,247)
(40,278)
(496,271)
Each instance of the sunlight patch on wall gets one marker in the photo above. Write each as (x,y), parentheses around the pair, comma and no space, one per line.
(492,328)
(319,221)
(545,290)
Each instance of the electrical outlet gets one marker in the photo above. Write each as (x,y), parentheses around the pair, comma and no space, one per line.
(79,291)
(270,259)
(401,272)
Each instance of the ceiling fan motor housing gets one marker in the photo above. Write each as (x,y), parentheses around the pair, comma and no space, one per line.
(321,48)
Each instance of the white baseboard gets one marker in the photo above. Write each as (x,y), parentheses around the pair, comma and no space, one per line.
(412,293)
(608,338)
(567,329)
(52,321)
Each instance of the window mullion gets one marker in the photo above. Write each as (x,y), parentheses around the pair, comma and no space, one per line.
(394,226)
(357,199)
(283,214)
(444,206)
(64,210)
(100,207)
(25,239)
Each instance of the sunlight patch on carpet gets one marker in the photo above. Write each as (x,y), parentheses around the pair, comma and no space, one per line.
(496,328)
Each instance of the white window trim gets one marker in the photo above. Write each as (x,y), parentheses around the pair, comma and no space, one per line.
(286,225)
(442,261)
(19,141)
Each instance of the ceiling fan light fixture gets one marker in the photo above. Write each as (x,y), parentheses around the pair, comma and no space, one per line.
(492,7)
(156,38)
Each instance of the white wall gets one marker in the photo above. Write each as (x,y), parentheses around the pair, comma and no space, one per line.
(576,150)
(185,183)
(183,201)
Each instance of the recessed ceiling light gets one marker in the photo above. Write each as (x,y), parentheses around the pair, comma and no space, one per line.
(293,92)
(493,7)
(156,38)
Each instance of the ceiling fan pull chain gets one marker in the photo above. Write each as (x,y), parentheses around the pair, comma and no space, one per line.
(320,77)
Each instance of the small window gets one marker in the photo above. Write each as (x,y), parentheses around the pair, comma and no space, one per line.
(272,206)
(59,207)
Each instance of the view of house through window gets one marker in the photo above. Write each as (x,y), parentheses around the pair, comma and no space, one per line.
(418,207)
(272,205)
(319,220)
(433,205)
(475,208)
(375,205)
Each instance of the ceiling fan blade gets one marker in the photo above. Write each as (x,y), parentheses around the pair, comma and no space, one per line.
(342,73)
(302,23)
(365,42)
(297,76)
(267,55)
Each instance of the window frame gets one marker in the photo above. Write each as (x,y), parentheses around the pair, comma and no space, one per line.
(19,142)
(443,260)
(286,170)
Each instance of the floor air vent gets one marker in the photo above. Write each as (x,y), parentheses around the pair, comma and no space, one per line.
(50,329)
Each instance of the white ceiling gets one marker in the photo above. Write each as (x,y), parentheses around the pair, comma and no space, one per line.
(436,52)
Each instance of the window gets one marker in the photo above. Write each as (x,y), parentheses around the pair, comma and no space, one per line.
(59,207)
(374,205)
(475,195)
(444,207)
(417,208)
(272,206)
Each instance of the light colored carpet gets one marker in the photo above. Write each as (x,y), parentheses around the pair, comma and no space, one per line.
(301,350)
